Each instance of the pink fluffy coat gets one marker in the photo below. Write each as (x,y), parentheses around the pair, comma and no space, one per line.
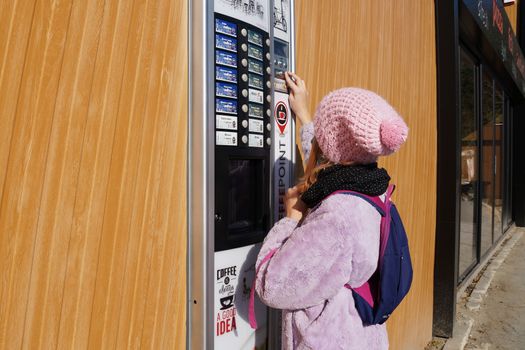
(337,243)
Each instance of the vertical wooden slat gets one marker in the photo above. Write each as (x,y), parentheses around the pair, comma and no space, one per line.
(93,174)
(14,38)
(142,234)
(15,25)
(388,47)
(158,320)
(53,233)
(111,273)
(21,199)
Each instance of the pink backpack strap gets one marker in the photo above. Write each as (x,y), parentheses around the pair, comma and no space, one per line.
(251,305)
(365,291)
(385,222)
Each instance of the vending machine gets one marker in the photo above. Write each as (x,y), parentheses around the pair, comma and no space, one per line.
(242,151)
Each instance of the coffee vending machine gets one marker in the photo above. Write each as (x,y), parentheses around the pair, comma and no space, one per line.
(240,161)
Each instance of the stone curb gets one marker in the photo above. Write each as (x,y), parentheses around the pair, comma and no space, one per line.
(474,300)
(480,291)
(461,335)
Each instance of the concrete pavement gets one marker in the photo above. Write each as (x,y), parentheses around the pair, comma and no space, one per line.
(490,310)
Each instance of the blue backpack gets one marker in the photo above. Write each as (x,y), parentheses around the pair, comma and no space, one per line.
(383,292)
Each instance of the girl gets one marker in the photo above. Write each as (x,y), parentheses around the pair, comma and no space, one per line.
(327,241)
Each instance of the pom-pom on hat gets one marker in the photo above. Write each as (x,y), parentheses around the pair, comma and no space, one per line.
(357,125)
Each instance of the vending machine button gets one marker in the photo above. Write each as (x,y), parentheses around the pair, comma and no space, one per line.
(268,70)
(244,47)
(244,123)
(269,127)
(268,42)
(244,32)
(268,113)
(269,141)
(269,84)
(244,62)
(245,92)
(269,98)
(268,57)
(244,108)
(244,139)
(244,77)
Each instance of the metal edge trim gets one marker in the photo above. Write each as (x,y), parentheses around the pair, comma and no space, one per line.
(197,157)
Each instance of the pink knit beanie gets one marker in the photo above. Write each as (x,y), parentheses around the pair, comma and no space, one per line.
(353,124)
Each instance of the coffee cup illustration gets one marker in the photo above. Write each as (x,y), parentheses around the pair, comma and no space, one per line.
(226,302)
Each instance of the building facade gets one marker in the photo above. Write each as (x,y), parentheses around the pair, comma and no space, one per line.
(95,120)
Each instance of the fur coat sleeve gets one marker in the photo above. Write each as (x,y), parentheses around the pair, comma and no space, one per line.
(307,135)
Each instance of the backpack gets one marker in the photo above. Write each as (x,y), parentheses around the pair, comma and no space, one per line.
(377,298)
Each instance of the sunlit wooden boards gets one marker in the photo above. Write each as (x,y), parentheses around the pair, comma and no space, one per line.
(388,47)
(512,13)
(93,144)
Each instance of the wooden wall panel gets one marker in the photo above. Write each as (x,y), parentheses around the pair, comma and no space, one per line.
(93,113)
(512,13)
(388,47)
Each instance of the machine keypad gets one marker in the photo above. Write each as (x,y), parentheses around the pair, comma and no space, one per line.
(242,85)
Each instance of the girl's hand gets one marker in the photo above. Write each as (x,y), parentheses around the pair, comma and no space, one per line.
(295,207)
(298,97)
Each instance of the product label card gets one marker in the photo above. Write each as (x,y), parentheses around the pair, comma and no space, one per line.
(256,81)
(225,27)
(256,111)
(280,85)
(255,125)
(225,138)
(226,74)
(226,90)
(255,140)
(255,52)
(225,106)
(255,66)
(226,122)
(255,96)
(225,43)
(255,38)
(226,58)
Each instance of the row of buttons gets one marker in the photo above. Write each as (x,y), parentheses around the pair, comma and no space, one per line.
(250,56)
(244,77)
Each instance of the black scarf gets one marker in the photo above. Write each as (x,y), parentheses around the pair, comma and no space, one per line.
(367,179)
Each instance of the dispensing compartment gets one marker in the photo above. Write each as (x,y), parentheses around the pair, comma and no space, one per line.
(242,200)
(245,214)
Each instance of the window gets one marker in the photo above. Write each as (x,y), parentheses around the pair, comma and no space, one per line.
(469,165)
(484,151)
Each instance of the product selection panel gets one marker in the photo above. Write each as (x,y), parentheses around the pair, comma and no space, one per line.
(242,85)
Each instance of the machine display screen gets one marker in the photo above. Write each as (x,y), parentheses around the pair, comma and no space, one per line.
(245,196)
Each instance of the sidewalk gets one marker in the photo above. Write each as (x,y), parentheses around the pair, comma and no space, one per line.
(490,311)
